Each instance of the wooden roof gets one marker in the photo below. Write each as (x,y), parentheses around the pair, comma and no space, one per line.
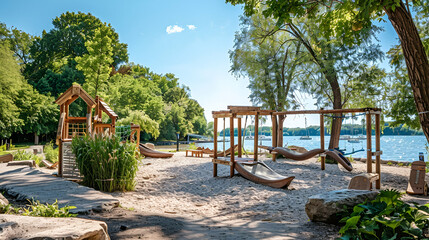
(236,111)
(73,93)
(105,108)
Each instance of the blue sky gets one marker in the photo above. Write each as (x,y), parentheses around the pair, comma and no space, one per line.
(197,56)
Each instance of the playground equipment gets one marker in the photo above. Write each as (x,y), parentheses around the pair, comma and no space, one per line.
(147,152)
(249,168)
(236,112)
(69,127)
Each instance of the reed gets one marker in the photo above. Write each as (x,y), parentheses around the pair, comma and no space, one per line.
(105,162)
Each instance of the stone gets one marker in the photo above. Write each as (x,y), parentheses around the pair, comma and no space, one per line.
(150,145)
(3,200)
(325,207)
(30,163)
(25,227)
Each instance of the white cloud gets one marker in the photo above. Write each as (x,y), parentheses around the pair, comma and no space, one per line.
(174,29)
(191,27)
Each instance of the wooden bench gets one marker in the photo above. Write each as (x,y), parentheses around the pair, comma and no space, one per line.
(6,158)
(194,153)
(363,181)
(417,183)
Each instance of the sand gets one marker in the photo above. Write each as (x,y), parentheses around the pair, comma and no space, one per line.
(177,198)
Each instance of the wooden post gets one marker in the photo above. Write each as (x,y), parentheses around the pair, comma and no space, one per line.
(274,133)
(322,141)
(60,158)
(255,145)
(368,143)
(215,146)
(377,149)
(239,137)
(231,139)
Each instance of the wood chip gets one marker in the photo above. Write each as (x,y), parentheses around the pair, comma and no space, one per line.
(170,212)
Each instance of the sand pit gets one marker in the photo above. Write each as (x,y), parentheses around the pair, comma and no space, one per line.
(184,201)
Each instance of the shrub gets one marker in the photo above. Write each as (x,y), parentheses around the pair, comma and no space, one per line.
(21,155)
(51,154)
(48,210)
(105,163)
(386,217)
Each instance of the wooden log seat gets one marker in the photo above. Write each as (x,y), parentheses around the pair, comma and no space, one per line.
(6,158)
(363,181)
(194,153)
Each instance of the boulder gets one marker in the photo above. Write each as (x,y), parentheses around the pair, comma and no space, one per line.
(24,227)
(3,200)
(30,163)
(150,145)
(325,207)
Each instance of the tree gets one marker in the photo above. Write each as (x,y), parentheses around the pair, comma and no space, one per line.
(57,49)
(147,125)
(96,64)
(270,62)
(343,18)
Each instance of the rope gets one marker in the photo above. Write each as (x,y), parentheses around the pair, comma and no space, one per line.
(245,127)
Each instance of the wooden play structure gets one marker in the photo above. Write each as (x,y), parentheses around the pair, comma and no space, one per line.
(236,112)
(69,127)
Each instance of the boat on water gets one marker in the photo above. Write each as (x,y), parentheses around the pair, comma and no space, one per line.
(305,138)
(345,137)
(353,140)
(261,137)
(361,137)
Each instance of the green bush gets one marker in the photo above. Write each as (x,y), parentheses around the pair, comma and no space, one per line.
(51,154)
(36,209)
(21,155)
(386,217)
(105,163)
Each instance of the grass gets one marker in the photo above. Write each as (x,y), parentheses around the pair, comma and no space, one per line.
(105,162)
(21,155)
(51,154)
(36,209)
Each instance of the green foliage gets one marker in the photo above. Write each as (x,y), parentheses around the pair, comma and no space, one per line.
(146,123)
(51,154)
(386,217)
(192,146)
(9,209)
(21,155)
(36,209)
(389,163)
(105,163)
(95,65)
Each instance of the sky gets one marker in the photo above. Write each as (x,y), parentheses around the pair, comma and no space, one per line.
(190,38)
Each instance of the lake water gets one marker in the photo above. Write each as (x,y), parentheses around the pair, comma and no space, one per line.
(397,148)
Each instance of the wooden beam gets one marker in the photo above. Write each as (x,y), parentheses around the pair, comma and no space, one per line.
(256,138)
(240,147)
(243,108)
(368,144)
(377,149)
(352,110)
(322,141)
(231,140)
(215,146)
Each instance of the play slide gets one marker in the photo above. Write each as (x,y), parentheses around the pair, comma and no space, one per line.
(259,172)
(147,152)
(287,153)
(340,158)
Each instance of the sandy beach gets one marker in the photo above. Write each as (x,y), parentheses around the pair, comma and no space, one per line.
(177,198)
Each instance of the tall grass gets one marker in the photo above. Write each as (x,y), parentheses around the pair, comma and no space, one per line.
(105,163)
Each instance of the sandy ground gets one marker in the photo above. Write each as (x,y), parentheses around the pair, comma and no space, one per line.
(178,198)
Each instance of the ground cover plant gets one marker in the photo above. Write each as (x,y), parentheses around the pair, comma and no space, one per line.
(21,155)
(386,217)
(36,209)
(105,162)
(51,154)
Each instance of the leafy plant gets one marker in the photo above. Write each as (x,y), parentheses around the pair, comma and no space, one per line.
(192,146)
(8,209)
(51,154)
(400,164)
(105,162)
(386,217)
(389,163)
(21,155)
(36,209)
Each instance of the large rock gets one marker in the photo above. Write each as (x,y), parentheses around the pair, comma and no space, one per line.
(3,200)
(23,227)
(325,207)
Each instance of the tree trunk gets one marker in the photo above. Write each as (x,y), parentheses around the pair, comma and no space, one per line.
(415,58)
(280,131)
(337,121)
(36,139)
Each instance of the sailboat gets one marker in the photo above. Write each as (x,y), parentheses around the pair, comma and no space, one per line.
(307,137)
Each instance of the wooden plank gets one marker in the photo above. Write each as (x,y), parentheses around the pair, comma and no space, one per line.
(240,148)
(256,138)
(60,127)
(377,150)
(231,140)
(220,161)
(222,115)
(274,133)
(244,108)
(351,110)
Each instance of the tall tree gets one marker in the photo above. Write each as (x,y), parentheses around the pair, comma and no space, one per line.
(96,64)
(342,18)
